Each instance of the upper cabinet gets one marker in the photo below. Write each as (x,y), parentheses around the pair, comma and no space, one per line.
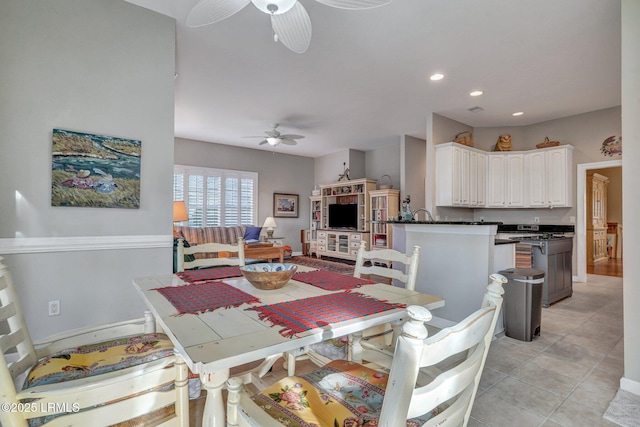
(460,176)
(549,172)
(467,177)
(505,180)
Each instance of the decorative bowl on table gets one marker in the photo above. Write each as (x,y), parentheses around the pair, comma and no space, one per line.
(268,275)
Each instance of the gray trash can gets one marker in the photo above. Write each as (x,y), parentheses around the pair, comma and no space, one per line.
(522,304)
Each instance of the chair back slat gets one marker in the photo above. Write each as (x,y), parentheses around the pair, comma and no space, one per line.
(18,353)
(7,311)
(455,356)
(391,257)
(447,385)
(458,338)
(226,254)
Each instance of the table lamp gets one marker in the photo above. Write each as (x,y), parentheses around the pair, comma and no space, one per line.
(269,224)
(179,214)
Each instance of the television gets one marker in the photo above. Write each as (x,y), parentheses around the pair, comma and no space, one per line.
(343,216)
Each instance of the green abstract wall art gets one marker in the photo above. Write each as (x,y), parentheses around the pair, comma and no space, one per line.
(95,171)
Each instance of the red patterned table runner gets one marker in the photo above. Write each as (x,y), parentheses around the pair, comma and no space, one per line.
(330,281)
(315,312)
(213,273)
(206,296)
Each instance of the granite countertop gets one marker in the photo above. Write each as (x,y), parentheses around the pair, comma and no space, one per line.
(505,241)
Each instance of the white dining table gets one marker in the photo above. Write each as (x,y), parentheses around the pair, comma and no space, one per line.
(215,341)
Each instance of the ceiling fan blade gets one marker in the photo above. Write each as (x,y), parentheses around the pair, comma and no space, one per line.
(261,136)
(291,136)
(207,12)
(354,4)
(263,142)
(293,28)
(287,141)
(272,133)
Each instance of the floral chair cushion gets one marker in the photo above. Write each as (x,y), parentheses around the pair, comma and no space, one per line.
(95,359)
(342,393)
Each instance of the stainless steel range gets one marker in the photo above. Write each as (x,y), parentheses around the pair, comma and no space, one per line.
(554,256)
(548,248)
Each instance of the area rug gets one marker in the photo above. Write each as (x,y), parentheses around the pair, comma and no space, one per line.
(624,409)
(323,264)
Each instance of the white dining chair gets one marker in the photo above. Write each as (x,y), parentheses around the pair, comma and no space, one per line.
(94,376)
(432,381)
(385,263)
(209,255)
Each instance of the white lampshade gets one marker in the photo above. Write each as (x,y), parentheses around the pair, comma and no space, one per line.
(269,223)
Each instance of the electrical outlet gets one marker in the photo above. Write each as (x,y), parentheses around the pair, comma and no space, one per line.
(572,219)
(54,308)
(536,219)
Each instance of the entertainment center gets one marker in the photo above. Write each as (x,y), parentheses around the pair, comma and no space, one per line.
(342,215)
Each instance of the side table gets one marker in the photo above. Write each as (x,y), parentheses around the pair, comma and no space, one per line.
(275,240)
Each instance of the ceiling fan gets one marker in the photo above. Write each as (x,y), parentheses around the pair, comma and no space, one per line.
(289,19)
(273,137)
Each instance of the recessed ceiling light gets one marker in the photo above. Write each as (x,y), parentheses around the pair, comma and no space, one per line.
(517,113)
(475,109)
(476,93)
(437,76)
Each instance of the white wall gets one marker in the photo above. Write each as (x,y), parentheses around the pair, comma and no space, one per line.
(384,161)
(277,172)
(631,191)
(413,171)
(98,66)
(328,168)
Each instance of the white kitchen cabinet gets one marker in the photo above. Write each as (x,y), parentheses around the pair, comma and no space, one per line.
(460,176)
(549,174)
(505,180)
(515,181)
(468,177)
(560,176)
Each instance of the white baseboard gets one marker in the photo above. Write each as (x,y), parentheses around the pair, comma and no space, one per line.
(27,245)
(630,386)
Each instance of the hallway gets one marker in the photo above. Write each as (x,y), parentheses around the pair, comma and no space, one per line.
(613,268)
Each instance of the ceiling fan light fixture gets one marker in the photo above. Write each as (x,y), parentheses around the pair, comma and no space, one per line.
(274,7)
(274,141)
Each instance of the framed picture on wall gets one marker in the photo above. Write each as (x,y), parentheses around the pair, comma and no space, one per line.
(285,205)
(95,171)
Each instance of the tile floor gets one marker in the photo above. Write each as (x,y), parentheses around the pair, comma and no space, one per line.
(568,375)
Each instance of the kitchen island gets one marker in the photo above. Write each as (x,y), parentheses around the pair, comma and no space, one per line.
(456,259)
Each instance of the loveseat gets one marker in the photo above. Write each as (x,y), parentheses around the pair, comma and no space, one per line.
(227,235)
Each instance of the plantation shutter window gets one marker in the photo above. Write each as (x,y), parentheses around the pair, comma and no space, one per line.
(216,197)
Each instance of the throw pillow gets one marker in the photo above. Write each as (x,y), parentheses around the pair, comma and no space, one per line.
(252,234)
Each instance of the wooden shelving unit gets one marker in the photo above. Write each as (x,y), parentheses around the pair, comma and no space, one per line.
(315,221)
(341,243)
(384,205)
